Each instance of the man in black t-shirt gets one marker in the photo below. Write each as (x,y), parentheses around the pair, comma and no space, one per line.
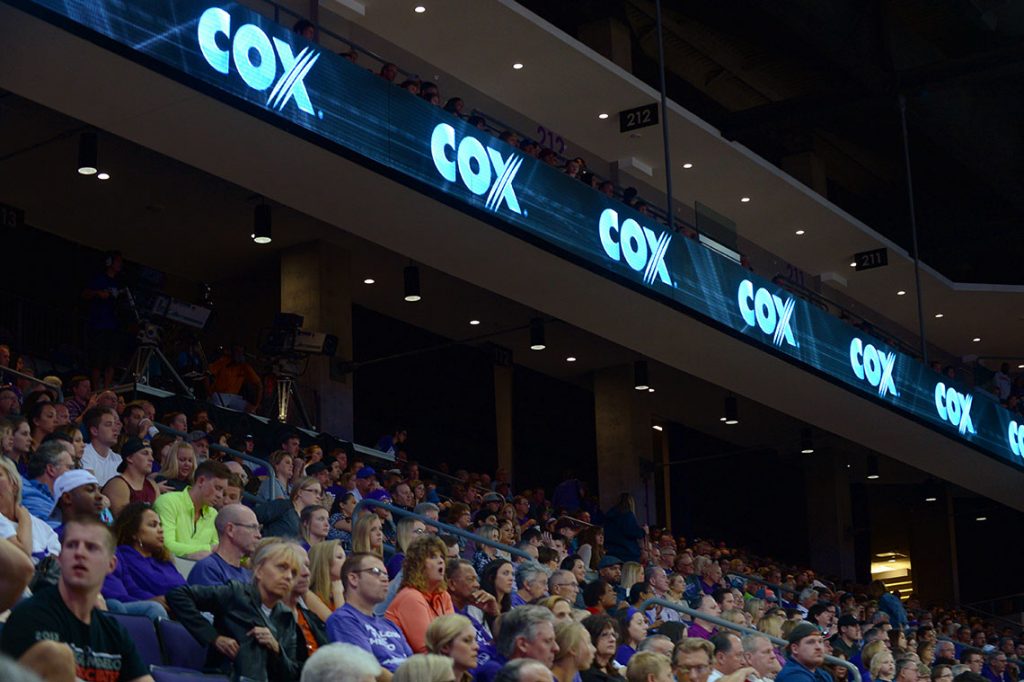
(59,633)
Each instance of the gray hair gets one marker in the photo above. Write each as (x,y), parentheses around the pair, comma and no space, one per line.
(750,642)
(651,570)
(423,507)
(904,662)
(514,670)
(528,571)
(555,575)
(522,621)
(647,643)
(807,593)
(48,454)
(340,663)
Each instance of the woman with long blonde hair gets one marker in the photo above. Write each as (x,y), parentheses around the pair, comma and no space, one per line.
(325,561)
(178,466)
(368,535)
(455,637)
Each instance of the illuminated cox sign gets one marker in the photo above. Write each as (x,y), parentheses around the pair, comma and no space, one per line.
(1016,434)
(954,407)
(255,59)
(768,312)
(874,366)
(473,162)
(642,249)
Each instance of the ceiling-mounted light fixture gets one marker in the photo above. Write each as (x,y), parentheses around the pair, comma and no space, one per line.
(640,381)
(261,224)
(412,283)
(87,154)
(732,411)
(873,468)
(537,334)
(806,441)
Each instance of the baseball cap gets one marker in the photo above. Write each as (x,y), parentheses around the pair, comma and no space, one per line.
(196,436)
(70,480)
(802,629)
(607,561)
(380,495)
(131,446)
(493,497)
(847,620)
(366,472)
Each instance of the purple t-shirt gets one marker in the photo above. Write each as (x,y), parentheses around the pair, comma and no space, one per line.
(375,634)
(213,570)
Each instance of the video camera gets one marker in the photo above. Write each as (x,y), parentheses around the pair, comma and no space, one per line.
(287,339)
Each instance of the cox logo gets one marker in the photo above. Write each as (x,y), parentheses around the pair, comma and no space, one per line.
(954,407)
(1016,433)
(768,311)
(254,57)
(473,162)
(642,249)
(874,366)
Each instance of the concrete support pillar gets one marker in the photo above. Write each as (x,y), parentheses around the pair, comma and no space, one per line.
(933,549)
(624,444)
(829,517)
(503,417)
(611,39)
(315,283)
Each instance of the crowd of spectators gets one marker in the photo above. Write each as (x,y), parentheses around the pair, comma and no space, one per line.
(281,578)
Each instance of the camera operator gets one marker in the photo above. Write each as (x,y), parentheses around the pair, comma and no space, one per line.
(104,334)
(235,384)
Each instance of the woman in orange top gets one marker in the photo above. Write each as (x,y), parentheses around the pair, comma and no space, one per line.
(424,594)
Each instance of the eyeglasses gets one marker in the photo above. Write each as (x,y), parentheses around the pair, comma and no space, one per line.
(697,670)
(574,585)
(610,633)
(250,526)
(313,490)
(379,572)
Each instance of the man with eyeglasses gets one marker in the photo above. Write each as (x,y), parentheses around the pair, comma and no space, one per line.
(691,660)
(237,534)
(366,584)
(563,583)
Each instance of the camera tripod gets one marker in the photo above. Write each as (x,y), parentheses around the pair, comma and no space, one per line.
(141,361)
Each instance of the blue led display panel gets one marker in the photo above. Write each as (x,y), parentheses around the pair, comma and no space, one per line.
(263,68)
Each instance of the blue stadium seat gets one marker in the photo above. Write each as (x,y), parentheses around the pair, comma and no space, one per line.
(144,635)
(167,674)
(182,649)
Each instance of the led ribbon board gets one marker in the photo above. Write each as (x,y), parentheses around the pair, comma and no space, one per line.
(263,68)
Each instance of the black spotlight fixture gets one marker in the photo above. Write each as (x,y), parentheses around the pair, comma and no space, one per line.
(537,334)
(873,468)
(261,224)
(732,411)
(412,283)
(806,441)
(640,381)
(87,154)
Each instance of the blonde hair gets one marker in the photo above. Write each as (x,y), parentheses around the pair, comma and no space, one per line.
(646,663)
(549,602)
(278,549)
(424,668)
(734,615)
(877,661)
(361,535)
(443,630)
(632,573)
(321,556)
(12,473)
(771,625)
(871,650)
(570,636)
(169,465)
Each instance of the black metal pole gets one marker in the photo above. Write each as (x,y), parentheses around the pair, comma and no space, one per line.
(913,229)
(664,120)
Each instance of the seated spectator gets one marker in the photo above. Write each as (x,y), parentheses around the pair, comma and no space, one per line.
(661,644)
(509,137)
(424,593)
(604,636)
(145,570)
(455,105)
(759,654)
(131,485)
(325,562)
(178,466)
(526,632)
(29,532)
(59,633)
(18,446)
(10,405)
(425,668)
(340,519)
(477,122)
(573,167)
(883,667)
(472,602)
(575,650)
(200,442)
(599,597)
(102,425)
(283,518)
(309,614)
(366,584)
(277,488)
(498,580)
(388,72)
(305,29)
(454,636)
(409,529)
(44,468)
(563,583)
(313,525)
(253,632)
(367,536)
(548,156)
(701,628)
(648,666)
(81,391)
(188,516)
(659,583)
(341,663)
(560,607)
(806,656)
(485,554)
(532,583)
(995,666)
(238,531)
(42,420)
(633,626)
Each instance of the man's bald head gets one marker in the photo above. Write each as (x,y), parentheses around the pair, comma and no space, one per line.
(233,513)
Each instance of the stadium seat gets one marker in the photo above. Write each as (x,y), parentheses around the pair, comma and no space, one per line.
(168,674)
(182,649)
(144,635)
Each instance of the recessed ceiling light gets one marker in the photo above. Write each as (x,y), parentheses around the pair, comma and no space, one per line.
(745,200)
(853,264)
(650,390)
(901,293)
(981,518)
(602,116)
(938,315)
(732,422)
(930,499)
(474,322)
(687,166)
(800,233)
(872,477)
(103,176)
(369,280)
(420,9)
(517,66)
(976,339)
(1020,366)
(570,359)
(721,419)
(657,427)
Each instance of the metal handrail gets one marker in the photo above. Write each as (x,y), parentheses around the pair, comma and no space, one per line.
(757,579)
(162,428)
(451,530)
(722,623)
(56,388)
